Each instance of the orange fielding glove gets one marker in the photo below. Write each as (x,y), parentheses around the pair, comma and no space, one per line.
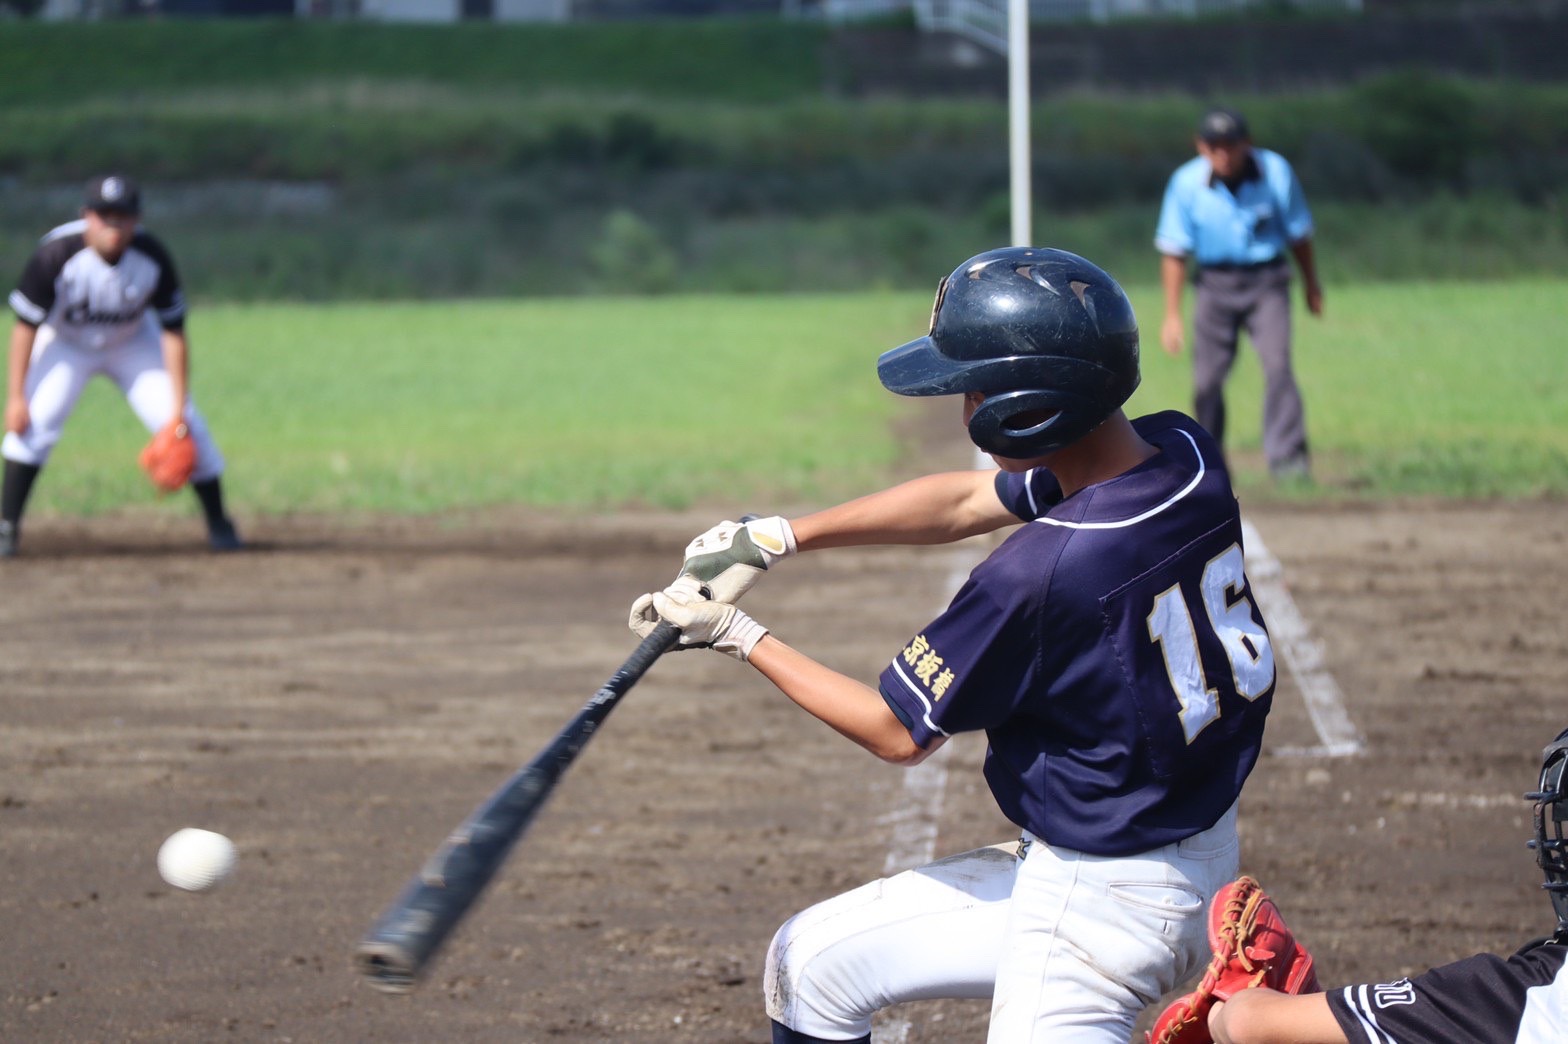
(1252,947)
(170,456)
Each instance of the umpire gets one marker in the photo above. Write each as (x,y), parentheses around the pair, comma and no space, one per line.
(1236,210)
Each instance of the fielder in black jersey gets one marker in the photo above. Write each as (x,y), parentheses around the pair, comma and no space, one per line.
(100,295)
(1484,999)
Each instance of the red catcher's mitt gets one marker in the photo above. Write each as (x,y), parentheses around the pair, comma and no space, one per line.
(1252,947)
(170,457)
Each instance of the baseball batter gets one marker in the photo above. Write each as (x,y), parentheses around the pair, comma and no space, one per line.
(100,296)
(1110,649)
(1522,999)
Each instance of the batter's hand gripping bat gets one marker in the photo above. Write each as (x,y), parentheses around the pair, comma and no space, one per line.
(411,930)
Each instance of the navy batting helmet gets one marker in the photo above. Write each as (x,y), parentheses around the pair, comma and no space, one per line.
(1048,337)
(1551,812)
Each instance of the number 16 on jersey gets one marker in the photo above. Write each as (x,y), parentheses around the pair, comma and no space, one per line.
(1224,616)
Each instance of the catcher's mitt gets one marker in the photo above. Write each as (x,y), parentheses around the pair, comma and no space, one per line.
(1252,947)
(170,456)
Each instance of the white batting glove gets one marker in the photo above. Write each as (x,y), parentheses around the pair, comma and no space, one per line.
(729,558)
(703,622)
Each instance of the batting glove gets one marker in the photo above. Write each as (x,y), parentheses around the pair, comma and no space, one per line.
(704,623)
(729,558)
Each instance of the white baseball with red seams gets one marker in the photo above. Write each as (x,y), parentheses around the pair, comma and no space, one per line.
(196,860)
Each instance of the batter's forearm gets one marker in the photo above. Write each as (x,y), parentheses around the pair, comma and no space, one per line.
(935,509)
(850,708)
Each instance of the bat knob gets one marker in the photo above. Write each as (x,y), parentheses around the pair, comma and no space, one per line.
(385,967)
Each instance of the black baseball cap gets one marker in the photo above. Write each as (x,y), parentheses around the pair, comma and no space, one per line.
(1222,125)
(113,193)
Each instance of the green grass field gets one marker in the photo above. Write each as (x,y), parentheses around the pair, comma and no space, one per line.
(1451,389)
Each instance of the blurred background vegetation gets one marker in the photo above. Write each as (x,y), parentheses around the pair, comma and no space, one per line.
(320,161)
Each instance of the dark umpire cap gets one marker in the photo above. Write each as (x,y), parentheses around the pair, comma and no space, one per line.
(114,193)
(1222,126)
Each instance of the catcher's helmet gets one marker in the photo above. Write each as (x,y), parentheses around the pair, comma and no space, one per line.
(1048,337)
(1551,810)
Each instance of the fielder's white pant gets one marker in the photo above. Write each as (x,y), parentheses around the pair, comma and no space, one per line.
(60,370)
(1070,947)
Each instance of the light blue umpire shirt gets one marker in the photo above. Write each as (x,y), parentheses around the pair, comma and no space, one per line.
(1200,217)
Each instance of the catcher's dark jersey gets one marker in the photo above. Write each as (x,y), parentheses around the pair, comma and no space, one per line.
(1110,649)
(1482,1000)
(91,303)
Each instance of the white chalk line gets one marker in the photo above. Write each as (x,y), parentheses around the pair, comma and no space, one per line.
(916,818)
(1302,653)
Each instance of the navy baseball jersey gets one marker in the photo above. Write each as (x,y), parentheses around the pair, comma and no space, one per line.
(1110,649)
(90,302)
(1521,1000)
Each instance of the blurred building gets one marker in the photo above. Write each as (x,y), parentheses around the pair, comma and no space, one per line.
(929,14)
(370,10)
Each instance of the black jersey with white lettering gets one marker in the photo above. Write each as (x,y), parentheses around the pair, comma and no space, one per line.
(90,302)
(1485,999)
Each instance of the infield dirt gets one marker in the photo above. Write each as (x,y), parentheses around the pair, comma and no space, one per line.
(339,696)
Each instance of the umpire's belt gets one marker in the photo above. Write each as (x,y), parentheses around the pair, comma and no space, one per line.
(1231,266)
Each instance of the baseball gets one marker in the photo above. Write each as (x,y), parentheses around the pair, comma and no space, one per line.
(195,860)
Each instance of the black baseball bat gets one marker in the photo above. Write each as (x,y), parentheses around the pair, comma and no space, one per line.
(408,934)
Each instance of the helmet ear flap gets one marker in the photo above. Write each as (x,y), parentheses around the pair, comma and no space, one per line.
(1020,424)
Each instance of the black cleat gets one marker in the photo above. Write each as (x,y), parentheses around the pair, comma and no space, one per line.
(1297,471)
(223,537)
(9,535)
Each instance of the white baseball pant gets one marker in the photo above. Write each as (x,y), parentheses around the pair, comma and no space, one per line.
(1070,947)
(58,373)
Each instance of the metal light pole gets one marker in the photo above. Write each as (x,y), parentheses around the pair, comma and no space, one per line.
(1018,120)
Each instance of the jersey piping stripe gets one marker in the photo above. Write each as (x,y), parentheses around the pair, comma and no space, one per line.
(1155,510)
(1361,1005)
(67,229)
(1034,509)
(921,696)
(26,309)
(176,309)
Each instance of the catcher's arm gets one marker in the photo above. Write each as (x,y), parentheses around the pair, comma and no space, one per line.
(1267,1015)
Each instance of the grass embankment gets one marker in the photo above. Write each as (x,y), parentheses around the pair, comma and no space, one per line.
(322,161)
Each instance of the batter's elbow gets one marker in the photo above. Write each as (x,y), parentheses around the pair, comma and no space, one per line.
(908,753)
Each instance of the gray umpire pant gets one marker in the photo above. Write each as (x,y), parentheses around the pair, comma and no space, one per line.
(1257,300)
